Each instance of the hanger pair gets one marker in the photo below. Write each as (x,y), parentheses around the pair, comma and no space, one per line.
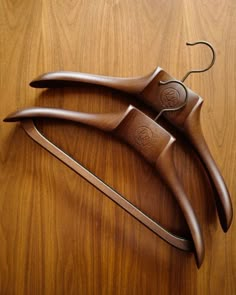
(150,91)
(164,94)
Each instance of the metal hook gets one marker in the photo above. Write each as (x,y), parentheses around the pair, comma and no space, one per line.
(210,65)
(176,108)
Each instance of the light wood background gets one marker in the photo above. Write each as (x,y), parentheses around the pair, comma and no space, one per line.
(58,234)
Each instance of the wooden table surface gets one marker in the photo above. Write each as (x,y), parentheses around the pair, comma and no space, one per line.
(58,234)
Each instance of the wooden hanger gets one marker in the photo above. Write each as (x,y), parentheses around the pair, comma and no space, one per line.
(149,89)
(148,138)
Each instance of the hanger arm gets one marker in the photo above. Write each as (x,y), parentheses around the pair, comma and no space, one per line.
(193,130)
(65,78)
(105,122)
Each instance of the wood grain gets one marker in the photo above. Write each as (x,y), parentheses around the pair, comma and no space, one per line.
(59,235)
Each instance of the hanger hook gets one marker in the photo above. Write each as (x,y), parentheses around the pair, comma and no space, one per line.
(176,108)
(210,65)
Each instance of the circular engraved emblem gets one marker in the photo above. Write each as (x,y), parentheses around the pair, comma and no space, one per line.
(143,135)
(169,98)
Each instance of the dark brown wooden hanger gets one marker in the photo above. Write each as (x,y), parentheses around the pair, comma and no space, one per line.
(159,97)
(148,138)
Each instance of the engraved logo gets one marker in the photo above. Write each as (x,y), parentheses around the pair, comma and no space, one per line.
(169,98)
(143,135)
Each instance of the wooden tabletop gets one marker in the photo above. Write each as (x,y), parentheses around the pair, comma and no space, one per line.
(58,234)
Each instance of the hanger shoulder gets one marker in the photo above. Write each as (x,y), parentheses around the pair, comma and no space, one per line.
(105,122)
(165,166)
(65,78)
(193,130)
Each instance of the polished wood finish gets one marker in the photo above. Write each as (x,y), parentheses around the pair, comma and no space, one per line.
(151,90)
(148,138)
(58,234)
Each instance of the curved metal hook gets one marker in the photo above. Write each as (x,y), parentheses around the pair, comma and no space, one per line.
(210,65)
(176,108)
